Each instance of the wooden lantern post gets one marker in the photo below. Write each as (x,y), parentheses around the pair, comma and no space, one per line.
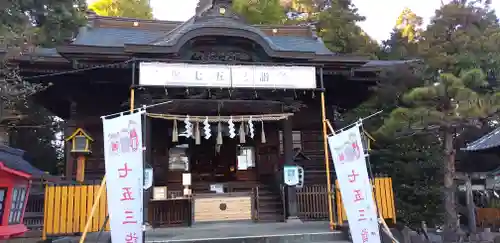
(80,143)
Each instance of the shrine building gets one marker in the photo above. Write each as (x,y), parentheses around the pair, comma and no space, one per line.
(249,94)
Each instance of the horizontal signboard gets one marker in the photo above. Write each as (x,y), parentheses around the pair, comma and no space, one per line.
(226,76)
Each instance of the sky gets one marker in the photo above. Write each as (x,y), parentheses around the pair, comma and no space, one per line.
(380,15)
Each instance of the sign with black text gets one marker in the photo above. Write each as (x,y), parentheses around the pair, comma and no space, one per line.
(226,76)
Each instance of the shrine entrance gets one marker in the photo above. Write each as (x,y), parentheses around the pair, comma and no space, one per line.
(216,163)
(220,156)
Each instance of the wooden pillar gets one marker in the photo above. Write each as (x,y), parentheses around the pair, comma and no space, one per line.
(80,167)
(141,98)
(70,160)
(291,198)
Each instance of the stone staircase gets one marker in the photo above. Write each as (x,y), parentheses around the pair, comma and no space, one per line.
(269,205)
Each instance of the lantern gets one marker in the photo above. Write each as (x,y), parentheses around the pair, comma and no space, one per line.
(80,142)
(80,147)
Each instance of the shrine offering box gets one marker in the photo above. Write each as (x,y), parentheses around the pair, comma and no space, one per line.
(222,207)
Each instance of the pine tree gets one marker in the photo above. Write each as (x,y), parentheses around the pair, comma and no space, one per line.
(462,35)
(458,48)
(337,25)
(445,106)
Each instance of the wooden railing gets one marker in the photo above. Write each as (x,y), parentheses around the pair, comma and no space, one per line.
(67,208)
(169,213)
(33,215)
(175,211)
(312,201)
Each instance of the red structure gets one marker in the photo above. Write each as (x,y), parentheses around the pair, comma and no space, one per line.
(15,182)
(14,189)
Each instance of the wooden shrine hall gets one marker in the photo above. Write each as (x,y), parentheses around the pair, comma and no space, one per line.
(238,101)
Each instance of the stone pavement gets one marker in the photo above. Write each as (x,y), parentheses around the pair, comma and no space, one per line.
(236,232)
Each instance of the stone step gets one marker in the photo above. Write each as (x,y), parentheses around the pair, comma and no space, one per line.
(286,238)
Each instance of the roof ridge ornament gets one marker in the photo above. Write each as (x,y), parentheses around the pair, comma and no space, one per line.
(217,8)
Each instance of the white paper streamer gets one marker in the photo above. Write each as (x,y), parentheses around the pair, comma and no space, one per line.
(250,127)
(206,128)
(188,128)
(232,132)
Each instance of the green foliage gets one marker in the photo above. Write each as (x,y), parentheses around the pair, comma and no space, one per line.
(336,24)
(139,9)
(36,135)
(451,101)
(459,48)
(409,25)
(462,35)
(260,11)
(30,24)
(414,164)
(40,22)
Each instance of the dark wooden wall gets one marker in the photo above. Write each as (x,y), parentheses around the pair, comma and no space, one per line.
(269,156)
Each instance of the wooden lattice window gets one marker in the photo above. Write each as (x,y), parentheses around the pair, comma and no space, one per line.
(296,140)
(16,209)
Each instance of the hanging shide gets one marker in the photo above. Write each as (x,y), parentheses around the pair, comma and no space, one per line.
(193,131)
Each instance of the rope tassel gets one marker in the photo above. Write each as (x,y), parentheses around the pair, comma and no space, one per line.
(242,133)
(219,134)
(263,134)
(197,136)
(175,135)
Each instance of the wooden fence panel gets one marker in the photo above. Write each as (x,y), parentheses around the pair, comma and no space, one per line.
(384,197)
(33,216)
(312,201)
(67,208)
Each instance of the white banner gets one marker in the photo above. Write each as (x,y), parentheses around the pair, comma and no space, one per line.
(123,154)
(355,187)
(226,76)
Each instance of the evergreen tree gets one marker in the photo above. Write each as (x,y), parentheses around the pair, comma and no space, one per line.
(40,22)
(458,48)
(35,134)
(462,35)
(336,23)
(260,11)
(403,41)
(409,24)
(413,162)
(445,106)
(139,9)
(28,25)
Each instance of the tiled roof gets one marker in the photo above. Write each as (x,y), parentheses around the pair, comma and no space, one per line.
(14,159)
(292,43)
(46,52)
(118,37)
(490,140)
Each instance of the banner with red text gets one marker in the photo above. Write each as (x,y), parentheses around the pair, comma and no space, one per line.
(123,154)
(355,187)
